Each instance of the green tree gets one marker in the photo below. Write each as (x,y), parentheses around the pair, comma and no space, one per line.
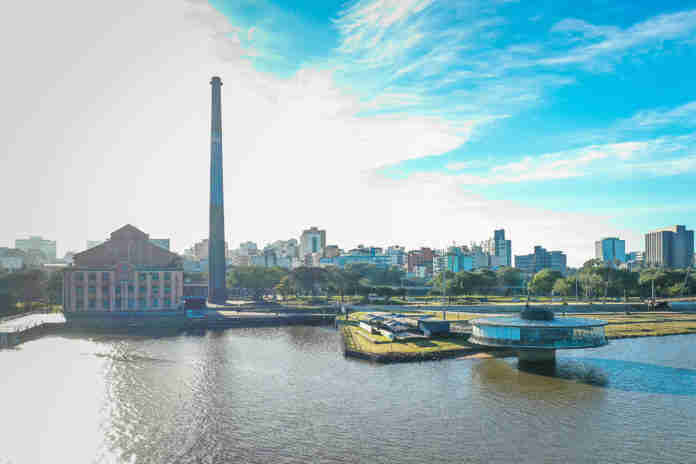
(563,287)
(256,279)
(509,277)
(543,281)
(309,279)
(55,287)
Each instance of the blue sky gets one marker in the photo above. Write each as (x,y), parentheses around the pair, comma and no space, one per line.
(409,122)
(545,82)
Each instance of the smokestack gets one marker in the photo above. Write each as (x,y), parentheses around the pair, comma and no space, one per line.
(217,292)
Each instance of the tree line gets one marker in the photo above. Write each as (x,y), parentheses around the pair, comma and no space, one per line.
(359,278)
(596,280)
(29,289)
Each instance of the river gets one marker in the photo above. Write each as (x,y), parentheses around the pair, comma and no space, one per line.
(287,395)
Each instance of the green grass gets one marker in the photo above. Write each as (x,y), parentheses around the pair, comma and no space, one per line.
(431,345)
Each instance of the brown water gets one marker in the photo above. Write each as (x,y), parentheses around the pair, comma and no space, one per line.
(287,395)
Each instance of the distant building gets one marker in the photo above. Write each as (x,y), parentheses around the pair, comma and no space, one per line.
(47,247)
(480,259)
(248,249)
(499,249)
(11,259)
(381,261)
(312,240)
(398,255)
(199,250)
(331,251)
(422,257)
(541,259)
(610,250)
(125,273)
(671,247)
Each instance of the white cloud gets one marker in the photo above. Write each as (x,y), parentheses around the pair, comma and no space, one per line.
(614,42)
(683,115)
(564,165)
(459,166)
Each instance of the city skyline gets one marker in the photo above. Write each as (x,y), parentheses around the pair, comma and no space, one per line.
(561,126)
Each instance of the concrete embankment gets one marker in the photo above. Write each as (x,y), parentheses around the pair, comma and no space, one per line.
(16,330)
(20,328)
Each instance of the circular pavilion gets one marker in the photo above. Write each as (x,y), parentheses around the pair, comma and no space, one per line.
(537,333)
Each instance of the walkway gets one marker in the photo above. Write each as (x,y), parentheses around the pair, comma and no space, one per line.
(32,320)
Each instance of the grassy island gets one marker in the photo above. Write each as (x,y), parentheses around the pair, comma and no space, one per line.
(362,344)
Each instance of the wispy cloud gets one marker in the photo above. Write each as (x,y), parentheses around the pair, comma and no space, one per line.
(657,157)
(609,42)
(683,115)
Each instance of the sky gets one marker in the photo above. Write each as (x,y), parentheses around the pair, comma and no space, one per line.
(410,122)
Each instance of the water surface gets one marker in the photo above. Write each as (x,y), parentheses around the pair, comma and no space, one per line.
(287,395)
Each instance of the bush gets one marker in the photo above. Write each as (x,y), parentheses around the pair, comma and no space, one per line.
(7,303)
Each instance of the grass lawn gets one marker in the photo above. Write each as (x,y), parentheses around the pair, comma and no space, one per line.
(407,347)
(650,329)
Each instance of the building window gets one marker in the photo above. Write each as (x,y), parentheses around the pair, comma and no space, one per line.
(106,276)
(167,290)
(131,303)
(117,303)
(92,289)
(118,290)
(131,289)
(155,290)
(79,276)
(155,302)
(92,303)
(79,303)
(92,276)
(142,276)
(106,303)
(167,276)
(167,302)
(155,276)
(142,289)
(105,289)
(142,303)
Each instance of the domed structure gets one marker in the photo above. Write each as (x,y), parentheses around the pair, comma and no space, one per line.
(537,333)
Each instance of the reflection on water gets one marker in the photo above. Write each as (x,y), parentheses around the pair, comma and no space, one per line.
(288,395)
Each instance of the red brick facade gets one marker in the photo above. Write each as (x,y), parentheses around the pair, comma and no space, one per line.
(125,273)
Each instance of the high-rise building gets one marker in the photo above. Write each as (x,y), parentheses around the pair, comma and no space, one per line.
(500,249)
(420,258)
(312,240)
(217,264)
(542,259)
(331,251)
(671,247)
(47,247)
(610,250)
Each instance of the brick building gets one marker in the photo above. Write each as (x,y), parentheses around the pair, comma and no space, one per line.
(126,273)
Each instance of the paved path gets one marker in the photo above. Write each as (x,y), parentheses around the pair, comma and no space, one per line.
(32,320)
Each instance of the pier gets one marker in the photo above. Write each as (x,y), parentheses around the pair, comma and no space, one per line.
(17,329)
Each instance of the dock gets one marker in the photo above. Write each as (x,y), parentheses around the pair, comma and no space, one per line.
(17,329)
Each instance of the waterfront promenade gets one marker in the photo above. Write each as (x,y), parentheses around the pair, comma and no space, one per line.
(15,329)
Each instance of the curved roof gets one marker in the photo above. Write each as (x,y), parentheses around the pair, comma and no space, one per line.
(561,322)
